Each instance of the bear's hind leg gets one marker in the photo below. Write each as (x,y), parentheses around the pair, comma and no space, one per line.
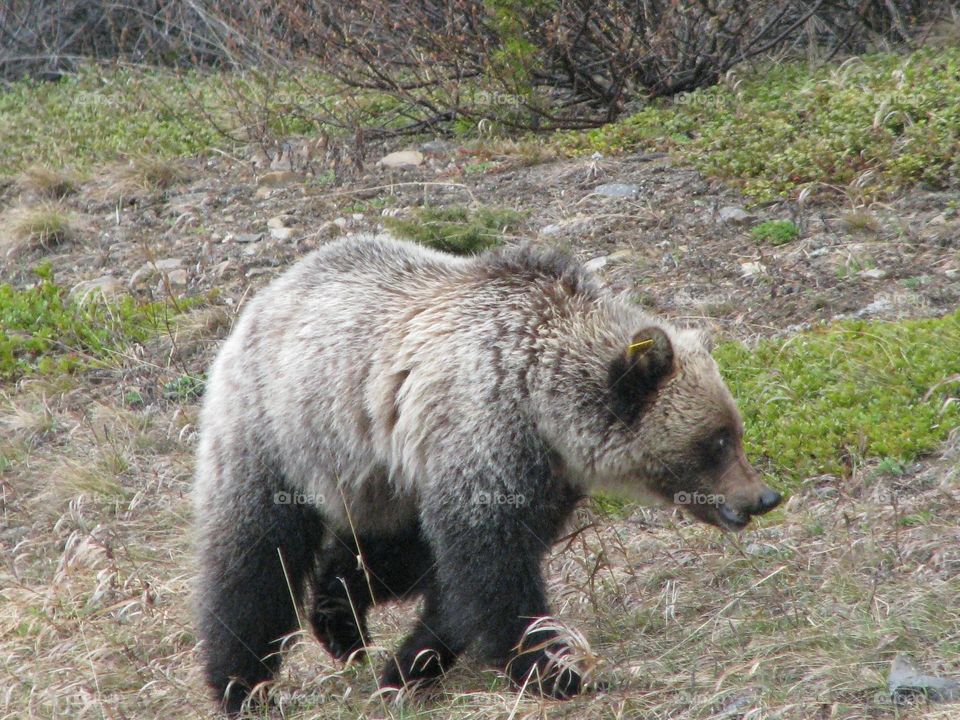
(395,567)
(340,602)
(256,552)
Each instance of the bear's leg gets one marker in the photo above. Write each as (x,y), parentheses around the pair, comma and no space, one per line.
(489,561)
(255,555)
(427,652)
(395,567)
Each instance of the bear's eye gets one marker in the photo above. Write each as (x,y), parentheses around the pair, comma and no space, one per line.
(720,446)
(715,450)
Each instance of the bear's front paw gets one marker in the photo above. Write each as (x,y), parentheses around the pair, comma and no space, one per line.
(547,671)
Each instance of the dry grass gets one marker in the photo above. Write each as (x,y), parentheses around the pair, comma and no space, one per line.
(38,227)
(147,173)
(797,618)
(860,221)
(41,182)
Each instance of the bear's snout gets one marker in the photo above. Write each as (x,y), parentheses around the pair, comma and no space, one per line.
(769,499)
(737,518)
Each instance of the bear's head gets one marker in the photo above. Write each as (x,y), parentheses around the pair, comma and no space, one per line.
(662,423)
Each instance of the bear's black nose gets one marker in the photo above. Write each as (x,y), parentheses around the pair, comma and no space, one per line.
(769,499)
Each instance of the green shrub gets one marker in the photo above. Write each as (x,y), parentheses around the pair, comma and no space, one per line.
(43,331)
(185,388)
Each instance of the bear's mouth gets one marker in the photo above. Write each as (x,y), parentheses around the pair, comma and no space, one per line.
(731,519)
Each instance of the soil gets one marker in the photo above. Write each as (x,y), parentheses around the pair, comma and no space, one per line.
(667,246)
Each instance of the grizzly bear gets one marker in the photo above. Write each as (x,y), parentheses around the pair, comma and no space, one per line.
(386,421)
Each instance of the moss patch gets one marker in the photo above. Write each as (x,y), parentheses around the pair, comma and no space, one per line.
(775,232)
(824,400)
(457,229)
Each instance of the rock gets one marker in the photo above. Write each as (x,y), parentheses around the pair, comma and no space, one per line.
(735,215)
(167,264)
(177,277)
(760,549)
(105,287)
(752,269)
(263,193)
(243,238)
(596,264)
(564,225)
(277,178)
(738,706)
(824,492)
(940,219)
(227,267)
(878,307)
(617,190)
(278,221)
(14,534)
(437,147)
(873,274)
(907,683)
(281,233)
(952,274)
(402,158)
(152,267)
(341,222)
(189,201)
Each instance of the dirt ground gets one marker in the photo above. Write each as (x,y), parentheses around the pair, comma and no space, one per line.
(794,620)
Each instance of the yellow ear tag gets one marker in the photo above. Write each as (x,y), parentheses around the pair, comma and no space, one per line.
(633,347)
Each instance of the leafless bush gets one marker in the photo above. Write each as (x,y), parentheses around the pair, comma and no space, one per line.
(536,64)
(568,63)
(46,38)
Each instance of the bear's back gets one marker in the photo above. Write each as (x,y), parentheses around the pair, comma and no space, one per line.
(349,364)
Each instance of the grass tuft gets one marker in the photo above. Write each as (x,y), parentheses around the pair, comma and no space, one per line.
(860,221)
(46,183)
(37,227)
(147,174)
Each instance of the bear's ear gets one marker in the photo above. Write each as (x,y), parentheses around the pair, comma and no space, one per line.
(636,372)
